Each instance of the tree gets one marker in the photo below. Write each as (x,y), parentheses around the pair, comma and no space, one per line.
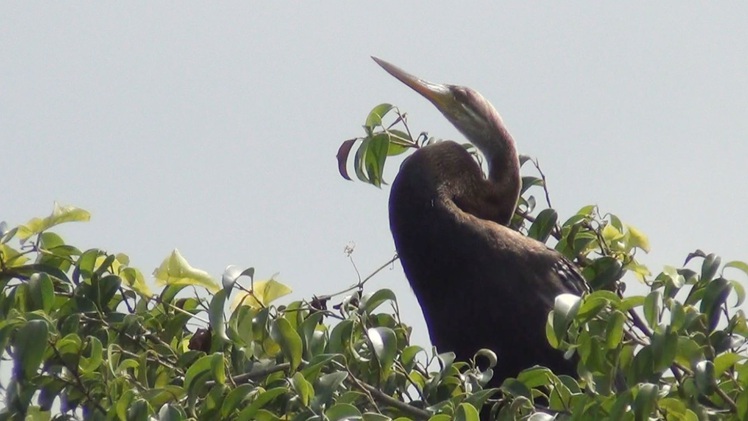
(84,330)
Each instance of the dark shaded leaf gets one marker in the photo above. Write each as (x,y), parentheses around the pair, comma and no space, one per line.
(543,226)
(342,157)
(30,344)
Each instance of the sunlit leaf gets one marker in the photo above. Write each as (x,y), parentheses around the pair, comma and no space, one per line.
(263,293)
(134,279)
(60,214)
(175,270)
(565,308)
(384,342)
(741,266)
(466,412)
(638,239)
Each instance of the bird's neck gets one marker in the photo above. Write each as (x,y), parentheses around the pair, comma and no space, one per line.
(503,174)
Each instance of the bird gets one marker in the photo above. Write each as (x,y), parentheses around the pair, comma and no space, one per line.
(479,283)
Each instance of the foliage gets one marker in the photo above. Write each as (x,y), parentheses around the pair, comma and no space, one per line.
(89,339)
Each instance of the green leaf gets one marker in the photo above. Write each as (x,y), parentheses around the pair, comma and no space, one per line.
(565,308)
(664,349)
(466,412)
(232,273)
(408,356)
(605,272)
(376,155)
(373,416)
(384,342)
(715,295)
(370,302)
(340,337)
(160,396)
(725,361)
(31,343)
(235,398)
(688,351)
(199,372)
(359,160)
(249,413)
(645,401)
(59,215)
(216,315)
(614,331)
(135,280)
(638,239)
(653,308)
(327,386)
(169,412)
(303,388)
(94,360)
(263,293)
(529,181)
(289,340)
(710,266)
(41,292)
(399,142)
(342,411)
(543,225)
(175,270)
(374,119)
(739,291)
(704,377)
(741,266)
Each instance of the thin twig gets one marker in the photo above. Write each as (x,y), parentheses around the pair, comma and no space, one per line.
(361,283)
(542,177)
(254,375)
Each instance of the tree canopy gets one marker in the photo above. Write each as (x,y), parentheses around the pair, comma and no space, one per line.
(89,338)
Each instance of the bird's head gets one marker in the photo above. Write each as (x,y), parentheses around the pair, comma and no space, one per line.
(465,108)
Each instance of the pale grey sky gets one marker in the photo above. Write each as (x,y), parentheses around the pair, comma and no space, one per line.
(213,127)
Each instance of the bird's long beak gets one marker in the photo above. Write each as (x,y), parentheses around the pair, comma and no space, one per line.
(438,94)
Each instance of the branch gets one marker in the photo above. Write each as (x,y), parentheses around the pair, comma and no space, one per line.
(254,375)
(390,401)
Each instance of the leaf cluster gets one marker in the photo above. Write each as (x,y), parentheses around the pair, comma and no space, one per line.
(88,339)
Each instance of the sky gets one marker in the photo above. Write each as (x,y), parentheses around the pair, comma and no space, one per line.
(213,127)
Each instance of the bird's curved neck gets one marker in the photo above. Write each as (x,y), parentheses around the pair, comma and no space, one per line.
(503,172)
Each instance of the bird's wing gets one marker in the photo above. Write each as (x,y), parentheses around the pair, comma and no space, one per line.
(570,277)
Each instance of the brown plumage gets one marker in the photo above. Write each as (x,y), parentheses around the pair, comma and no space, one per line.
(480,284)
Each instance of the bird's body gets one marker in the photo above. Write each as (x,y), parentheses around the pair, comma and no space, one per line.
(480,284)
